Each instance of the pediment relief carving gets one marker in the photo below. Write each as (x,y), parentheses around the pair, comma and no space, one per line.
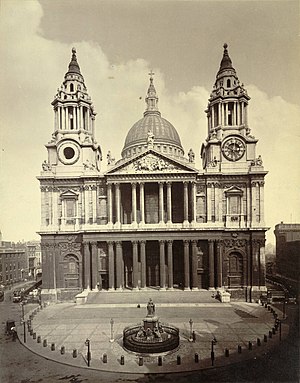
(151,163)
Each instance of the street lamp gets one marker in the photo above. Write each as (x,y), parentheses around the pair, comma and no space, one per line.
(191,330)
(87,343)
(23,320)
(212,354)
(111,330)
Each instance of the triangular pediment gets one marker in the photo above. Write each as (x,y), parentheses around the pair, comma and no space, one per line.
(234,190)
(69,194)
(151,161)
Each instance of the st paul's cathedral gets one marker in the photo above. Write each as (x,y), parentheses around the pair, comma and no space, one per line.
(152,220)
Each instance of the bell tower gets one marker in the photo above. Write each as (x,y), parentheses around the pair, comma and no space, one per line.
(73,147)
(229,146)
(70,175)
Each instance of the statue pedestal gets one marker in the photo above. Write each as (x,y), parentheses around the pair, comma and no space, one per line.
(150,322)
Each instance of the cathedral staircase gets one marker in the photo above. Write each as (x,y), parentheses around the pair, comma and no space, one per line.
(141,297)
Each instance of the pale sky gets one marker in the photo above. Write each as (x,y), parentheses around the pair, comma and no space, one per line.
(118,43)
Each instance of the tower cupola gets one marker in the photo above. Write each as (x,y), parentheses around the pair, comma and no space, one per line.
(227,107)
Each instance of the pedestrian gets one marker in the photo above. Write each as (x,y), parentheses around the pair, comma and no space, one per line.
(14,333)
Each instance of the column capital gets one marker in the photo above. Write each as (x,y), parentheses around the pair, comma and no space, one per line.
(133,184)
(162,241)
(170,242)
(134,242)
(119,243)
(186,242)
(94,243)
(142,241)
(86,244)
(194,242)
(141,183)
(110,243)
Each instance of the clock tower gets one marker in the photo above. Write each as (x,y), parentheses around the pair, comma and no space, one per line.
(229,146)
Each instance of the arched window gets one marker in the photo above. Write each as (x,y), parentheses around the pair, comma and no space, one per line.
(235,269)
(71,271)
(228,83)
(71,88)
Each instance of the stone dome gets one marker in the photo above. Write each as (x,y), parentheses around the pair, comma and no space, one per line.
(164,136)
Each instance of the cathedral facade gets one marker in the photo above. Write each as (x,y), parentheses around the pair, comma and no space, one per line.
(152,220)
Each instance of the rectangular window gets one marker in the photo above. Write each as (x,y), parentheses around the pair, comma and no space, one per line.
(70,208)
(234,205)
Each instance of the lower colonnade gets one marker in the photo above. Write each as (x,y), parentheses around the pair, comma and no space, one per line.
(162,263)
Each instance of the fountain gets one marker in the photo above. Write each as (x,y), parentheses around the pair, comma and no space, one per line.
(151,336)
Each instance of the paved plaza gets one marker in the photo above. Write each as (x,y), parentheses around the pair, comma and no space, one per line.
(231,324)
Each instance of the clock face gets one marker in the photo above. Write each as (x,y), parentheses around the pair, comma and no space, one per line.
(233,149)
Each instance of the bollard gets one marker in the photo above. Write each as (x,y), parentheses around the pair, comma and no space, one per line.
(249,346)
(258,342)
(196,358)
(39,339)
(265,338)
(226,352)
(239,349)
(104,358)
(34,335)
(160,361)
(62,350)
(141,361)
(45,343)
(74,353)
(273,330)
(122,360)
(52,346)
(270,334)
(178,359)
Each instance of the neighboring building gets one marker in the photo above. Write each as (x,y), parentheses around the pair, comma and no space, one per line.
(153,219)
(33,251)
(13,262)
(288,250)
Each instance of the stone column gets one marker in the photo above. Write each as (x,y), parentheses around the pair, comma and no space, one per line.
(219,263)
(261,202)
(193,200)
(213,116)
(59,118)
(262,264)
(162,268)
(143,263)
(94,202)
(133,203)
(211,264)
(55,206)
(109,204)
(219,113)
(161,202)
(253,203)
(119,265)
(234,114)
(209,188)
(170,264)
(226,114)
(142,203)
(194,265)
(185,203)
(87,265)
(186,245)
(135,265)
(169,202)
(111,265)
(238,113)
(118,203)
(86,204)
(94,265)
